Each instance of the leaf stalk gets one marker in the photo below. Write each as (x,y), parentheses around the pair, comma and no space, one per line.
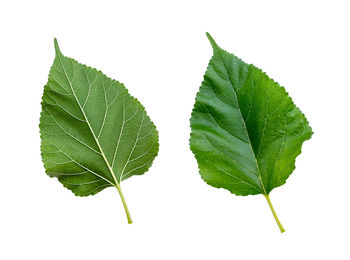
(124,204)
(274,213)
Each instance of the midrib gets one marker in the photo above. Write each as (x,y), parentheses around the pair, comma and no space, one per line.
(87,121)
(240,114)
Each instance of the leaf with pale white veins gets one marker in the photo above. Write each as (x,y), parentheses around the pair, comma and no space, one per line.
(94,134)
(246,130)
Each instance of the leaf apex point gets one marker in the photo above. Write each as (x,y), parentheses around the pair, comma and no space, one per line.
(212,41)
(57,48)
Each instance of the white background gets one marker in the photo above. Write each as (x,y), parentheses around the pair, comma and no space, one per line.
(159,50)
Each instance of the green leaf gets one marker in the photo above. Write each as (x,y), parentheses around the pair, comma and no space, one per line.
(94,134)
(246,130)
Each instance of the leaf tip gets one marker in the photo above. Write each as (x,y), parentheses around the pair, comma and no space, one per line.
(212,42)
(57,48)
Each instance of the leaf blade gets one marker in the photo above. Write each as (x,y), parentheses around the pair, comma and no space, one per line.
(83,143)
(232,106)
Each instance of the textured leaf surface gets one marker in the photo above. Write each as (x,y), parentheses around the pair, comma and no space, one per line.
(94,134)
(246,130)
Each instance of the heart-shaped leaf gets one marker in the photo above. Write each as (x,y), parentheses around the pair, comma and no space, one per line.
(246,130)
(94,134)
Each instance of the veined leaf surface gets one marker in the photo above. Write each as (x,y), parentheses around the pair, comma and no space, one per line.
(246,130)
(94,134)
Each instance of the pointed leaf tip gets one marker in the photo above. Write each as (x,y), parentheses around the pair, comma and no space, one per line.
(212,42)
(57,48)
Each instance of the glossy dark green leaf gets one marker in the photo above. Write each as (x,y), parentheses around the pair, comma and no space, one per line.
(246,130)
(94,134)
